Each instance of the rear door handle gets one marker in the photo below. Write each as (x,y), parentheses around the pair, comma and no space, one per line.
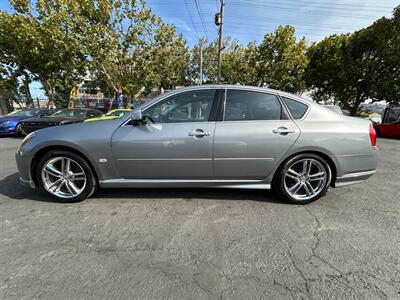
(282,130)
(199,133)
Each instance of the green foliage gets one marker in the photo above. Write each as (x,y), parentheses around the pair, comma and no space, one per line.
(209,62)
(43,42)
(132,48)
(278,62)
(239,64)
(355,67)
(283,60)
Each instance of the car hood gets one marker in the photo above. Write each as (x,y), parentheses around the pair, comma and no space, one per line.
(78,133)
(64,120)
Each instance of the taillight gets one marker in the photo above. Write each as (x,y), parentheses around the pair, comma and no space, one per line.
(372,135)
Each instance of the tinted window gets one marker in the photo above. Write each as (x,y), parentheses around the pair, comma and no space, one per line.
(185,107)
(248,105)
(69,113)
(296,108)
(25,113)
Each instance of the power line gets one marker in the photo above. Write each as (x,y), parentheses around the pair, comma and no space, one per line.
(201,18)
(191,19)
(314,11)
(296,4)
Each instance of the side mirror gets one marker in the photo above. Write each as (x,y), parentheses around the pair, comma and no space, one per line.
(137,115)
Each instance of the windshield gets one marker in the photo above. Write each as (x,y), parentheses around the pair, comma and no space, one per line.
(392,114)
(24,113)
(69,113)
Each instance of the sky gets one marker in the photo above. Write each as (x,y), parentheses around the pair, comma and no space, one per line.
(250,20)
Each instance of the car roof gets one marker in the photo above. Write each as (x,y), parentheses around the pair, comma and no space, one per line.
(226,86)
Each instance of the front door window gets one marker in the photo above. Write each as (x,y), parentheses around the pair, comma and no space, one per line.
(192,106)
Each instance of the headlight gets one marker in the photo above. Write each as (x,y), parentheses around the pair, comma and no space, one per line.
(7,123)
(28,138)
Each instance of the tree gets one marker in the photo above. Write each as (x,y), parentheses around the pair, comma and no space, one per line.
(239,64)
(283,60)
(382,43)
(130,47)
(355,67)
(209,62)
(44,43)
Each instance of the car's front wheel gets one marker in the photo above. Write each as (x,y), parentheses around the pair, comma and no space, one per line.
(66,176)
(303,178)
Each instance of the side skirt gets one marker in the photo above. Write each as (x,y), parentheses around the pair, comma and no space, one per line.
(176,183)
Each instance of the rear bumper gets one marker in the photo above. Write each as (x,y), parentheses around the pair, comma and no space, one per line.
(356,168)
(353,178)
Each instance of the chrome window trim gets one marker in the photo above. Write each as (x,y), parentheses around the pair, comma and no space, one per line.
(249,90)
(288,110)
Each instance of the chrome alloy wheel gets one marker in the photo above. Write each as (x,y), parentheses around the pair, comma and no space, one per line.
(305,179)
(63,177)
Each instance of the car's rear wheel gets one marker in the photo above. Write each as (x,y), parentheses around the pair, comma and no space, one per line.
(303,179)
(65,176)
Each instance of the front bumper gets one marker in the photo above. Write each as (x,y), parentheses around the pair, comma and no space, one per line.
(7,131)
(27,183)
(24,169)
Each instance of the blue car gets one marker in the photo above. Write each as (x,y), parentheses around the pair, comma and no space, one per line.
(11,124)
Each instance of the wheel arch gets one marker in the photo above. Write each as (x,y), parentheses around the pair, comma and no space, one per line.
(42,151)
(325,156)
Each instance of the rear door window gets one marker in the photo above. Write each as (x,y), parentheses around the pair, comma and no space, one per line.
(242,105)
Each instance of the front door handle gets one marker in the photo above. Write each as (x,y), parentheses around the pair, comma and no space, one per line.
(282,130)
(199,133)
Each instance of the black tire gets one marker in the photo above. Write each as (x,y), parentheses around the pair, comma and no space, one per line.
(279,179)
(91,182)
(22,132)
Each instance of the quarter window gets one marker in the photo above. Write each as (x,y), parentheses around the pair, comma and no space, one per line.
(296,108)
(185,107)
(244,105)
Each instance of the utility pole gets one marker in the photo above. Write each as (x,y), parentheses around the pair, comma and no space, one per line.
(219,21)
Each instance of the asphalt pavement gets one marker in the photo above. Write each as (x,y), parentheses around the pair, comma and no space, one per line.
(201,243)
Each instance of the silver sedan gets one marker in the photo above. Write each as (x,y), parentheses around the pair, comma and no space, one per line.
(205,136)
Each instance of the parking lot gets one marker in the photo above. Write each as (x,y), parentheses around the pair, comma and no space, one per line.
(201,243)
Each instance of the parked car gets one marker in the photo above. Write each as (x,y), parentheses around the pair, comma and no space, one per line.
(390,126)
(61,117)
(111,115)
(206,136)
(11,124)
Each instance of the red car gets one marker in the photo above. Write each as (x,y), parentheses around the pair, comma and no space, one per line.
(390,126)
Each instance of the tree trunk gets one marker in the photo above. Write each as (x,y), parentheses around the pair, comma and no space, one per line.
(50,91)
(29,100)
(356,105)
(3,106)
